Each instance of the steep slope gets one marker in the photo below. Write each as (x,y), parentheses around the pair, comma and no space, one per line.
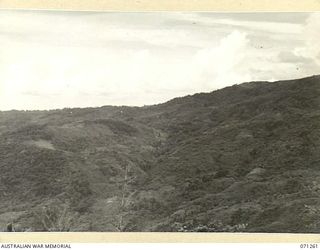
(71,160)
(244,158)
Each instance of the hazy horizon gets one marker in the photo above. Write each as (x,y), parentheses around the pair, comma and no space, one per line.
(145,105)
(60,59)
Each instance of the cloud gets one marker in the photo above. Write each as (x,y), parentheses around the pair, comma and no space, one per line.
(279,17)
(131,77)
(236,21)
(95,30)
(78,59)
(214,66)
(311,35)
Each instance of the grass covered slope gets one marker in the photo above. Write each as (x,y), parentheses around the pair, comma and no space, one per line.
(243,158)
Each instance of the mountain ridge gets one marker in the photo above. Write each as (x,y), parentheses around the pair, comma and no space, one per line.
(243,158)
(151,105)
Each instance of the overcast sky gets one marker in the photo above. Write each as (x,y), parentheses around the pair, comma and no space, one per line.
(54,59)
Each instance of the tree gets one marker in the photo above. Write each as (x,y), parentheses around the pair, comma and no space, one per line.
(118,221)
(54,217)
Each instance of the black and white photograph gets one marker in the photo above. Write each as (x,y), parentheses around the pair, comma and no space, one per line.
(160,121)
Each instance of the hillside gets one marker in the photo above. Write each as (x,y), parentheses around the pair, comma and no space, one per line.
(244,158)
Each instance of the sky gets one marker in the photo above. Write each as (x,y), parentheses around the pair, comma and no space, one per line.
(58,59)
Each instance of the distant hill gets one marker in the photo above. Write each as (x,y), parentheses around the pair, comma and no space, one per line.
(245,158)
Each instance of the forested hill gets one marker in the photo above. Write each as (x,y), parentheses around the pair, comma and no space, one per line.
(244,158)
